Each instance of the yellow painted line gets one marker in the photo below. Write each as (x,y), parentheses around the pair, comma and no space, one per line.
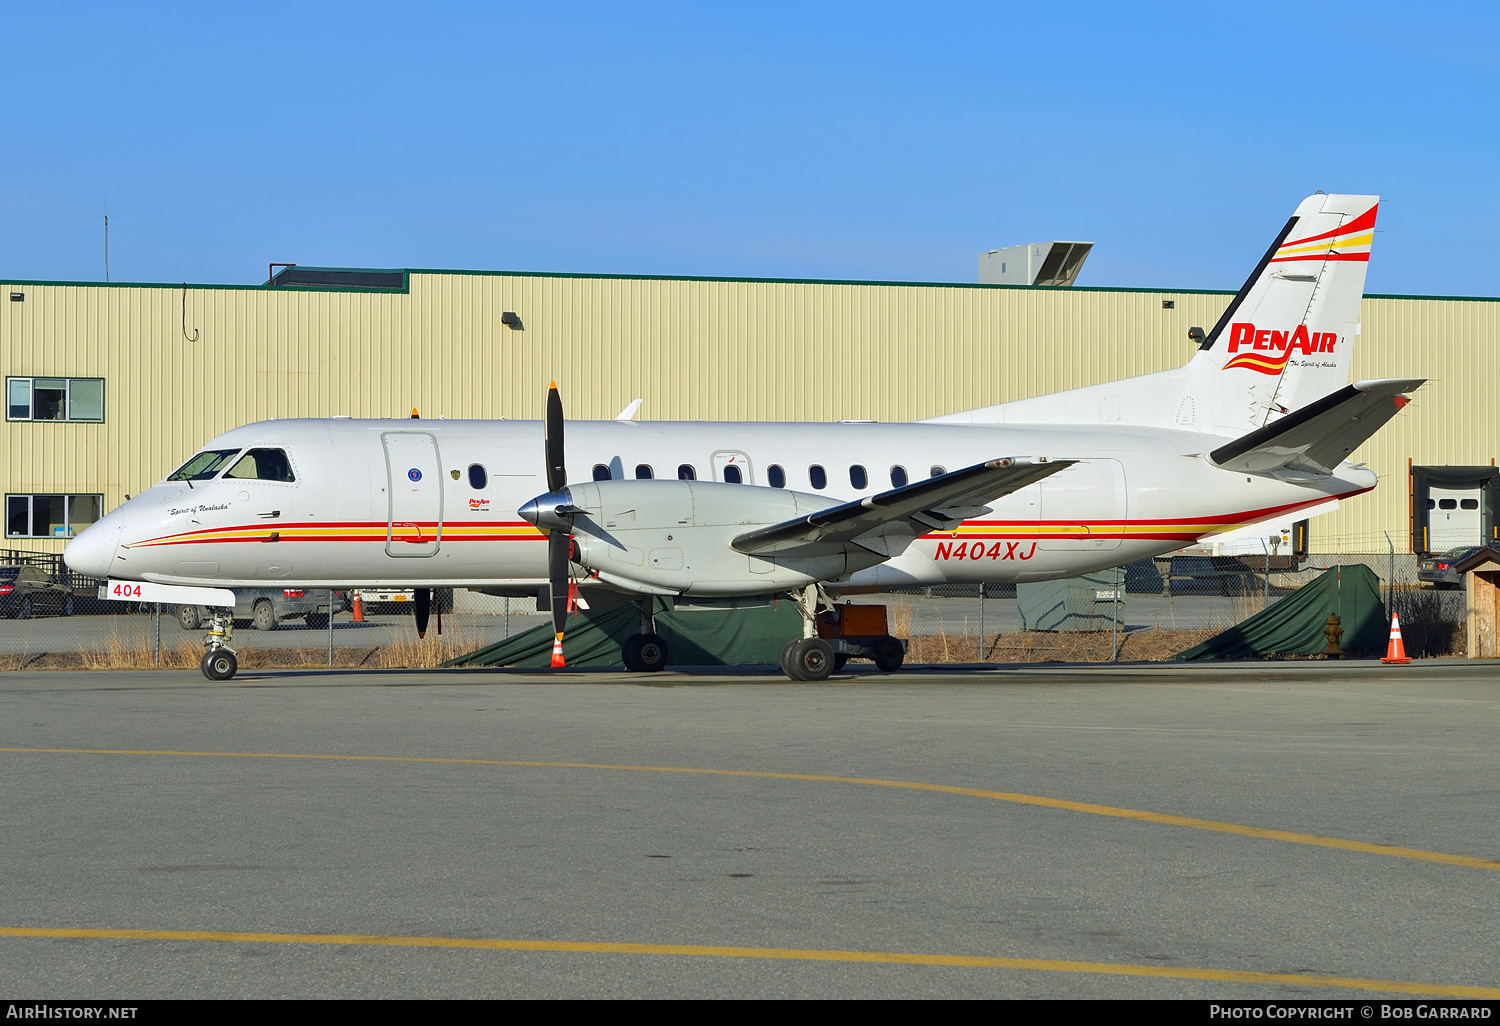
(784,954)
(1289,836)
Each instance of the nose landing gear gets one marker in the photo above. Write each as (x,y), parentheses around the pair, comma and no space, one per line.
(219,661)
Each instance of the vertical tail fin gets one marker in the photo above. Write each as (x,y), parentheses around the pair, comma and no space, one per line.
(1288,336)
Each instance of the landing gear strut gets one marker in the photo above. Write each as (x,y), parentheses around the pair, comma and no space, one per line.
(645,652)
(219,661)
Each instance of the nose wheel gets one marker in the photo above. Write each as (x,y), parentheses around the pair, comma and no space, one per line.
(219,661)
(218,664)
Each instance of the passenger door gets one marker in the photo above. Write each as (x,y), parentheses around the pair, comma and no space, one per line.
(414,479)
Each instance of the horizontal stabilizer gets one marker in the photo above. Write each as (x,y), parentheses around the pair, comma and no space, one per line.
(928,505)
(1318,437)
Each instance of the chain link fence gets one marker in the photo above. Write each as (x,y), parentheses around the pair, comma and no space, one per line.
(1148,610)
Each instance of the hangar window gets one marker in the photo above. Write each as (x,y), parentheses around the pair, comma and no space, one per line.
(685,472)
(76,399)
(203,466)
(858,478)
(775,476)
(50,516)
(263,465)
(818,476)
(643,472)
(1468,503)
(732,474)
(936,471)
(1432,504)
(478,477)
(1447,504)
(601,472)
(898,477)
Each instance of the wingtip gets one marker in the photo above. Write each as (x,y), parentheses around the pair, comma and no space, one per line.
(552,386)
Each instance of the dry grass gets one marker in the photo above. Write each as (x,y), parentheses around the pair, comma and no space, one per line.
(406,653)
(1054,646)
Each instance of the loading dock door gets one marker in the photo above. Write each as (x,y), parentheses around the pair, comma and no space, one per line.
(414,483)
(1454,517)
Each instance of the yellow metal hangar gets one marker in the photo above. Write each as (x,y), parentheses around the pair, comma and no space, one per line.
(111,386)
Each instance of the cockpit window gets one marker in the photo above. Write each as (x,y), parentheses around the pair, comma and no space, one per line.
(204,465)
(263,465)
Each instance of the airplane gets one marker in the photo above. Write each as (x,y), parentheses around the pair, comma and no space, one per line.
(1255,427)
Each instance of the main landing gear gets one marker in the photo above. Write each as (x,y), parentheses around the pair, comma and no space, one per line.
(833,634)
(219,661)
(645,652)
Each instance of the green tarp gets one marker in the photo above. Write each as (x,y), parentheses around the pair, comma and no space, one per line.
(695,637)
(1294,626)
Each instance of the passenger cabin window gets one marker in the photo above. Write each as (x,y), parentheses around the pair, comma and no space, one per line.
(898,477)
(478,477)
(818,476)
(858,478)
(203,466)
(643,472)
(936,471)
(263,465)
(732,475)
(685,472)
(776,476)
(601,472)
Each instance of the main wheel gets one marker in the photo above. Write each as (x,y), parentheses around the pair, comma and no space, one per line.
(889,655)
(67,607)
(813,659)
(630,653)
(788,667)
(651,653)
(264,615)
(189,618)
(218,664)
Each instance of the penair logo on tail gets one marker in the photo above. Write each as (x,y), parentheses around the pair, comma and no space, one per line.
(1268,350)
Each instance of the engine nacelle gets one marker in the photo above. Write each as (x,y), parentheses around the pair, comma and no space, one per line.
(672,538)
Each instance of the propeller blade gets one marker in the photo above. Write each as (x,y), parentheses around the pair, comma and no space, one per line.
(557,474)
(424,607)
(557,578)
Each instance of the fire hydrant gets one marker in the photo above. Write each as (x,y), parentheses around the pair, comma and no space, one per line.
(1333,632)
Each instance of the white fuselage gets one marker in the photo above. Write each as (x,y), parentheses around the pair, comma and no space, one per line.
(356,516)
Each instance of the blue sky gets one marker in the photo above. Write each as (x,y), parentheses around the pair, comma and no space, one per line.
(809,140)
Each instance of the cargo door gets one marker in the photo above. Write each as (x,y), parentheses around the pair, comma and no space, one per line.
(414,483)
(1083,507)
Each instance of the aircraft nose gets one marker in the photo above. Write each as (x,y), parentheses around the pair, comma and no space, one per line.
(93,551)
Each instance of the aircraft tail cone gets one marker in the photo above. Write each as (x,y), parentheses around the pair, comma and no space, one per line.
(557,656)
(1396,653)
(359,609)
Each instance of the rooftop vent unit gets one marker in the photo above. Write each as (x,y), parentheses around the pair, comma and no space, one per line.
(1040,263)
(292,276)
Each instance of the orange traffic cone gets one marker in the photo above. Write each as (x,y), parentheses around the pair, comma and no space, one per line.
(359,610)
(557,656)
(1396,653)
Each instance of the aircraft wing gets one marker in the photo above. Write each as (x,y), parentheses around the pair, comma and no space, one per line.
(933,504)
(1317,438)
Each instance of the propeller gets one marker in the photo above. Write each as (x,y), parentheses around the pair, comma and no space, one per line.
(423,598)
(553,513)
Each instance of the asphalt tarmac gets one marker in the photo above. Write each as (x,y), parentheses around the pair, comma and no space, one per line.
(1290,831)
